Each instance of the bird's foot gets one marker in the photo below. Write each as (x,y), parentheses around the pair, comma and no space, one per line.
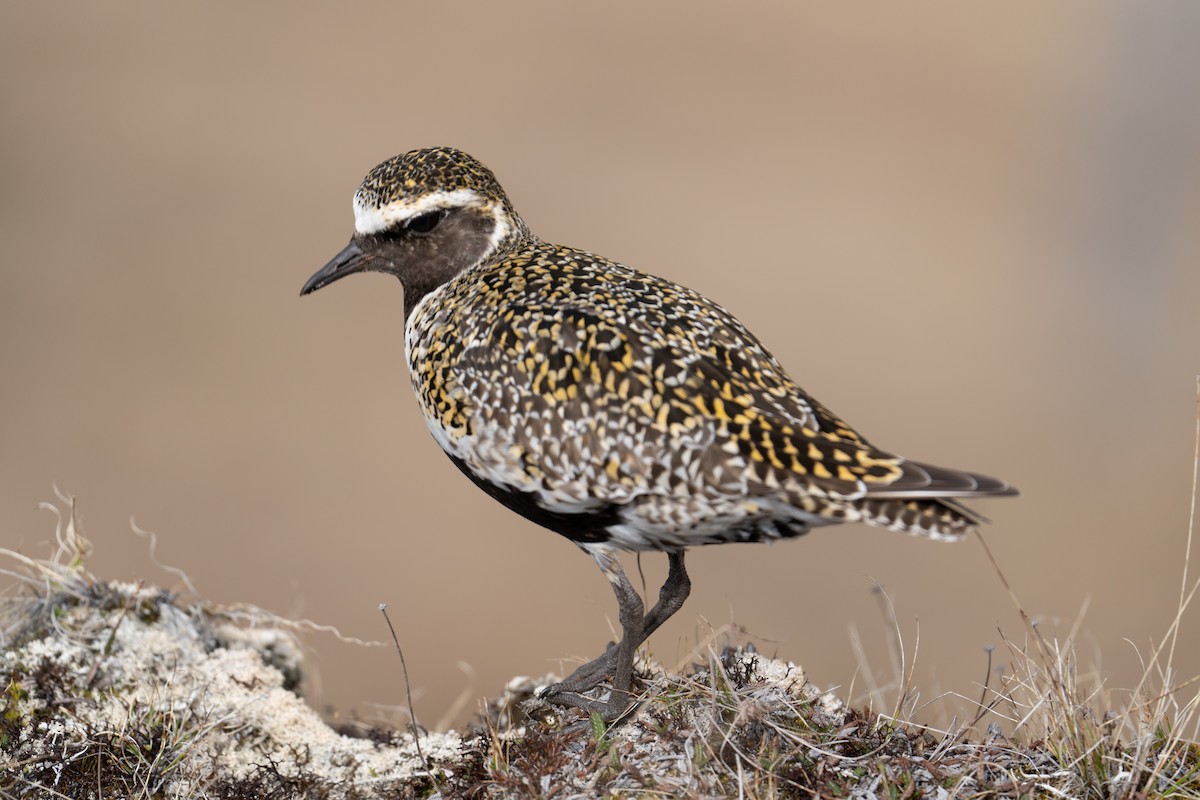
(571,691)
(610,709)
(586,677)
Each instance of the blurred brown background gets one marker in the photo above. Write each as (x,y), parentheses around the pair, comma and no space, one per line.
(972,231)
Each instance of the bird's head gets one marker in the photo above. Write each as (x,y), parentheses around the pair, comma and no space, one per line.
(424,216)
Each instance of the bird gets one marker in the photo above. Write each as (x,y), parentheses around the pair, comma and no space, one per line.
(618,409)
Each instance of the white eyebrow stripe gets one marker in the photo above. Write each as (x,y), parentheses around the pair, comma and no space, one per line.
(370,219)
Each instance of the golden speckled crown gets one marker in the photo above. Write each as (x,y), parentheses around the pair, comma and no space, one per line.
(424,180)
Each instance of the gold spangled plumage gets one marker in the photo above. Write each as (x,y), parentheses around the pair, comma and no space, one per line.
(557,373)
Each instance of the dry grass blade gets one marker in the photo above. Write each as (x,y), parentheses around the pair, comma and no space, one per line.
(1140,742)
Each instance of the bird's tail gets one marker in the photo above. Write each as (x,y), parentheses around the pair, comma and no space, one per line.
(935,518)
(925,501)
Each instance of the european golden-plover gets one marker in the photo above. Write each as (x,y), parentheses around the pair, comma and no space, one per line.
(618,409)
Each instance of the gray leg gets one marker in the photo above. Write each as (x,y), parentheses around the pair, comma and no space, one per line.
(619,658)
(670,597)
(630,609)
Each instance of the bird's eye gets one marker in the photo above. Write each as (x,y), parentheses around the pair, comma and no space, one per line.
(426,222)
